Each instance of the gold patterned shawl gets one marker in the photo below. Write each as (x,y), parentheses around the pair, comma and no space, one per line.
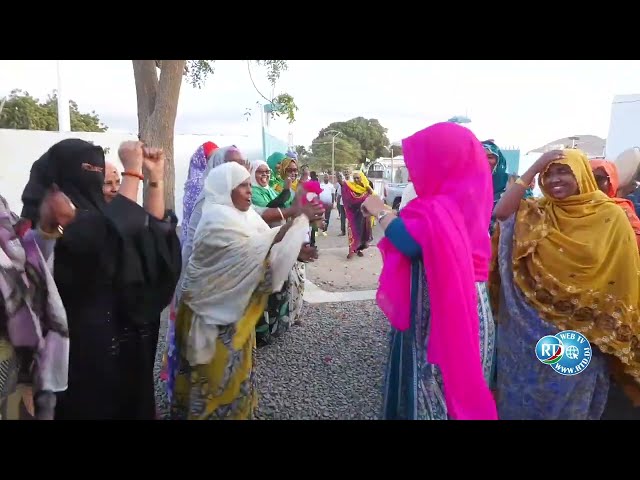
(576,262)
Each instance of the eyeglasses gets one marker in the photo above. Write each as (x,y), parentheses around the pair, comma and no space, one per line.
(263,173)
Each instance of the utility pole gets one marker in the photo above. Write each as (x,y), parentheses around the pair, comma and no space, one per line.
(64,114)
(333,149)
(393,174)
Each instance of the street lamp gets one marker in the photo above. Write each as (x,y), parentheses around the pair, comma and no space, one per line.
(333,149)
(393,175)
(574,139)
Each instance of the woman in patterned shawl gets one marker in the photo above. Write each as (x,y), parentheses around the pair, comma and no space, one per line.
(218,157)
(284,174)
(225,292)
(432,287)
(34,336)
(193,184)
(567,261)
(359,227)
(284,307)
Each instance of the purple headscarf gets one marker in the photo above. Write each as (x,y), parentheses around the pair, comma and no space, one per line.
(193,186)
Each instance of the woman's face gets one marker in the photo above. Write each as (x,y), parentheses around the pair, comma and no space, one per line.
(241,196)
(111,183)
(493,160)
(291,172)
(559,182)
(602,179)
(357,178)
(263,174)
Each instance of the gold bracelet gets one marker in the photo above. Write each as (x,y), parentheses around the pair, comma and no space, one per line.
(51,236)
(521,183)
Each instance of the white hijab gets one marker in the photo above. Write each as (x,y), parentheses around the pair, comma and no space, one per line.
(255,165)
(228,262)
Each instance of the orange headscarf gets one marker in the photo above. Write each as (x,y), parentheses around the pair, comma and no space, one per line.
(614,182)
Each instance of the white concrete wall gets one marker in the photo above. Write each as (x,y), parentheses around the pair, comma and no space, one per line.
(20,148)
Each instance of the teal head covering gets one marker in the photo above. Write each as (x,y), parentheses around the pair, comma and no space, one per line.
(278,163)
(274,160)
(499,174)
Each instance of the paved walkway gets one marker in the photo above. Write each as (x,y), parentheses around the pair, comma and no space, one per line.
(314,294)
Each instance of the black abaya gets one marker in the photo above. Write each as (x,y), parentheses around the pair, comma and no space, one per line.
(116,268)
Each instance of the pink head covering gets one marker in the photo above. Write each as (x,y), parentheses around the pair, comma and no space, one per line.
(450,219)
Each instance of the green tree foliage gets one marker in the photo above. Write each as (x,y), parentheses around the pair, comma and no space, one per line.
(158,96)
(303,154)
(197,72)
(359,139)
(347,153)
(370,135)
(396,150)
(23,112)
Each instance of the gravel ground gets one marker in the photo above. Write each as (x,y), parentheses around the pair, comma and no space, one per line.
(330,367)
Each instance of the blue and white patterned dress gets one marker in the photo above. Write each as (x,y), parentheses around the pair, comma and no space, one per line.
(413,387)
(528,389)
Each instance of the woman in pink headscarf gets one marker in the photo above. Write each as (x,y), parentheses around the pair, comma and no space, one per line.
(432,287)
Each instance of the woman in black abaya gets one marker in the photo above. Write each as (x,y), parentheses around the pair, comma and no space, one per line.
(116,267)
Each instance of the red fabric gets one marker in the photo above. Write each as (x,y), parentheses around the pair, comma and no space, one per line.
(209,147)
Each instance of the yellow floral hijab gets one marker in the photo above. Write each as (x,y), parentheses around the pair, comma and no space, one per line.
(577,263)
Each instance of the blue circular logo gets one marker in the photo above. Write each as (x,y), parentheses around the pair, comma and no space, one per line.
(549,349)
(568,352)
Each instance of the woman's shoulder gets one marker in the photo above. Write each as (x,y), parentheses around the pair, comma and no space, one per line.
(614,211)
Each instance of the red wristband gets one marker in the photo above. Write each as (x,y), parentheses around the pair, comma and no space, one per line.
(133,174)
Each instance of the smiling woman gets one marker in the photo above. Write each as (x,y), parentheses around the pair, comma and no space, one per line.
(568,261)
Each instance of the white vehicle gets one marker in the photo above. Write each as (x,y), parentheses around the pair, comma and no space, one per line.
(393,194)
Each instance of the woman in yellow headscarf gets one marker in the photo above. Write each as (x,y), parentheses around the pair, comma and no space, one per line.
(359,229)
(568,261)
(284,174)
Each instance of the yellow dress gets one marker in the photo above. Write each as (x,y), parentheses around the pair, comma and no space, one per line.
(223,389)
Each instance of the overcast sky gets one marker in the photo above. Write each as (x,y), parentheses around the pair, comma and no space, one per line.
(521,103)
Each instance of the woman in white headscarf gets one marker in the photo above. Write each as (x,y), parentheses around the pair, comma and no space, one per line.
(218,157)
(237,262)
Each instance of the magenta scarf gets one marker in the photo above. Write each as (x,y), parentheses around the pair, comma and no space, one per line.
(450,219)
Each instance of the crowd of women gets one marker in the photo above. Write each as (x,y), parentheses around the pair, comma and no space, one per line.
(467,309)
(87,272)
(476,270)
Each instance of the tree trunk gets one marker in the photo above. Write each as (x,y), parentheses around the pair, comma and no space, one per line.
(157,109)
